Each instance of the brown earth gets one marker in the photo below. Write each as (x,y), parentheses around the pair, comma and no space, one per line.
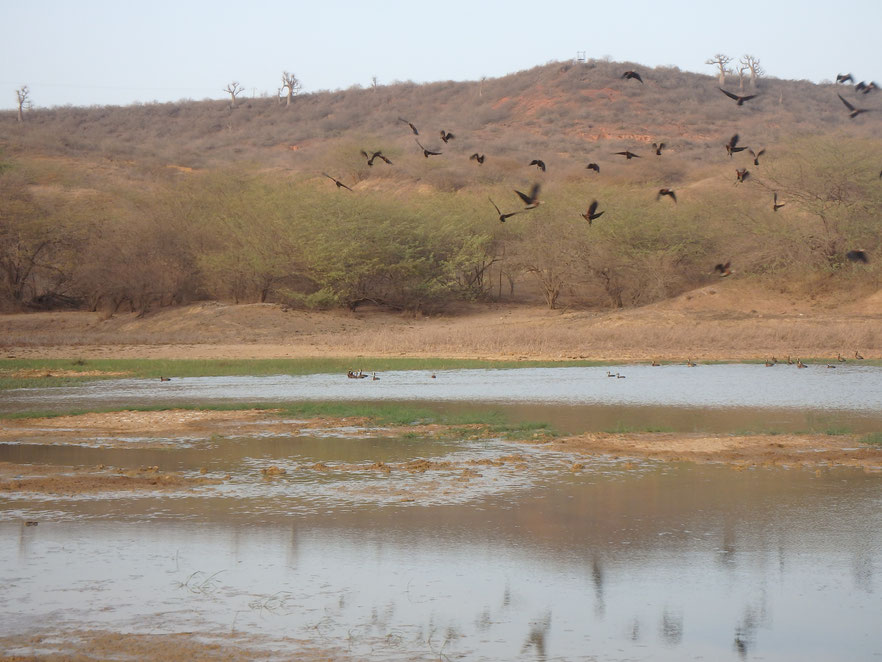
(726,320)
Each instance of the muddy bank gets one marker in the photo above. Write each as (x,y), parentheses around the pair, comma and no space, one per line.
(768,450)
(48,479)
(169,429)
(90,645)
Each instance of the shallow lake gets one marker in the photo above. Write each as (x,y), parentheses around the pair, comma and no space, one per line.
(623,560)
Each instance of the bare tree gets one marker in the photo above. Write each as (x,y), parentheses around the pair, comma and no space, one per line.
(291,84)
(234,89)
(23,96)
(741,71)
(719,60)
(753,64)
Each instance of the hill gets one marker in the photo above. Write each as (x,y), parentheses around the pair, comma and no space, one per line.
(153,205)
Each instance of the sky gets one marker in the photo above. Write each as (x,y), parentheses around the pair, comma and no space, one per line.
(120,52)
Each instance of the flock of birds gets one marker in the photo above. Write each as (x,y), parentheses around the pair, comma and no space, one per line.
(531,200)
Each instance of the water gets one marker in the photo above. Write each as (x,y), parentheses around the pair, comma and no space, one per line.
(849,387)
(521,559)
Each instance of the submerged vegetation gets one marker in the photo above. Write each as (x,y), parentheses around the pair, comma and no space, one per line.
(146,206)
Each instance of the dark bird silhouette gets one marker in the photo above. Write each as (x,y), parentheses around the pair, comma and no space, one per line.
(666,191)
(592,213)
(628,155)
(531,201)
(731,146)
(724,269)
(632,74)
(337,182)
(658,148)
(412,127)
(477,157)
(370,157)
(844,78)
(445,136)
(738,98)
(858,256)
(741,174)
(502,216)
(854,111)
(427,152)
(756,155)
(596,168)
(775,204)
(866,88)
(539,163)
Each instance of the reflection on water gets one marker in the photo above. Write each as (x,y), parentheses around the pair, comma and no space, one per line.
(638,561)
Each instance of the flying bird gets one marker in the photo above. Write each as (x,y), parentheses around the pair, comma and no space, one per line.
(666,191)
(531,201)
(741,174)
(370,157)
(539,163)
(866,88)
(844,78)
(337,182)
(738,98)
(730,146)
(427,152)
(756,155)
(632,74)
(412,127)
(775,204)
(724,269)
(858,256)
(502,216)
(854,111)
(445,136)
(628,155)
(592,212)
(658,148)
(596,168)
(477,157)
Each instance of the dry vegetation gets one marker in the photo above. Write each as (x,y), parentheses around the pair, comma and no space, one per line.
(140,207)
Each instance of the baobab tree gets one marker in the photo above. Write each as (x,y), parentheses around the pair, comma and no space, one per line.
(291,85)
(719,60)
(234,89)
(753,64)
(23,96)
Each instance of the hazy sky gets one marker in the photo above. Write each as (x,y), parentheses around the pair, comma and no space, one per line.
(88,52)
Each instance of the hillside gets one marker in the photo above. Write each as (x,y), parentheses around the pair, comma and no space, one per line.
(144,206)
